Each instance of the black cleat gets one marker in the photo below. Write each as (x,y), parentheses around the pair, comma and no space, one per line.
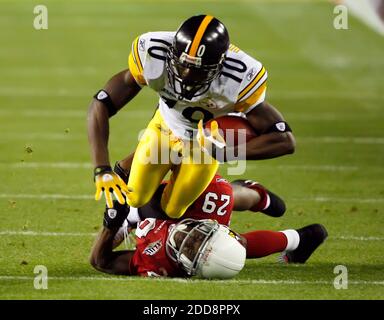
(310,238)
(276,207)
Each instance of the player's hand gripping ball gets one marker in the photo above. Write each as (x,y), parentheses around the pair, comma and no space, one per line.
(235,130)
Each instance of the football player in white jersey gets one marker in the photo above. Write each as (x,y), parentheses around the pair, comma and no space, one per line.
(198,76)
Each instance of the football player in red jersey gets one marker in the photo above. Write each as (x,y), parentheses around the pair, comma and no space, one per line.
(174,249)
(151,257)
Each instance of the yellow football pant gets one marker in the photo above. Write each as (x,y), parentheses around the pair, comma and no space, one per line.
(154,159)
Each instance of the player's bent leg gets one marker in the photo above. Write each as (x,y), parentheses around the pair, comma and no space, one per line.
(244,198)
(148,168)
(144,180)
(188,181)
(264,201)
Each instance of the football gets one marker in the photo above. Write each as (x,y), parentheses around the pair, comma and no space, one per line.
(235,130)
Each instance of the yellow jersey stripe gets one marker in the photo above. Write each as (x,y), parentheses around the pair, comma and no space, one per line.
(199,34)
(135,72)
(233,48)
(136,55)
(252,84)
(251,100)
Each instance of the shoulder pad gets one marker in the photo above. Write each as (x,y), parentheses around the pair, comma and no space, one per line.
(250,76)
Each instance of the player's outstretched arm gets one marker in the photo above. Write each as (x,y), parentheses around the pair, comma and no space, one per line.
(105,260)
(275,139)
(118,91)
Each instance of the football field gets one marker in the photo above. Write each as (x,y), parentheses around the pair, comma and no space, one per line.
(328,83)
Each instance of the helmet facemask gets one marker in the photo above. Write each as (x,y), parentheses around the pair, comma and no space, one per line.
(188,76)
(206,248)
(187,241)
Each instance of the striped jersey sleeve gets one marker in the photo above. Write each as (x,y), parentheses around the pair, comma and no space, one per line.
(136,59)
(253,88)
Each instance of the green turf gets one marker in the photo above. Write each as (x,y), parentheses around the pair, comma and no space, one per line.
(328,83)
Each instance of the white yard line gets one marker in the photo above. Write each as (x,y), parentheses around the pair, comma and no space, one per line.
(39,92)
(330,117)
(18,91)
(91,234)
(342,200)
(357,238)
(318,167)
(90,197)
(41,136)
(68,113)
(346,140)
(47,196)
(87,165)
(46,233)
(196,281)
(48,165)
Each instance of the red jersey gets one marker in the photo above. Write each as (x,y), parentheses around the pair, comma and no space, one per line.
(150,257)
(216,202)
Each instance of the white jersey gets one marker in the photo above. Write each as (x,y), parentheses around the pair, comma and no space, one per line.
(240,87)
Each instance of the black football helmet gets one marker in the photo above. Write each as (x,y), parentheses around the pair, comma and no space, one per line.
(197,54)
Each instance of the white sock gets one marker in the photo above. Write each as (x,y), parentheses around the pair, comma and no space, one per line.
(133,215)
(293,239)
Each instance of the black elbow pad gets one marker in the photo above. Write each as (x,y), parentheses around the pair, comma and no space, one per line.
(280,126)
(106,100)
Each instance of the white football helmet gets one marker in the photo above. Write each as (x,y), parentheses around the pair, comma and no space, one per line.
(219,255)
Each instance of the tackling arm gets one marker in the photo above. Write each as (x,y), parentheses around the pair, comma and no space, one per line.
(269,144)
(108,261)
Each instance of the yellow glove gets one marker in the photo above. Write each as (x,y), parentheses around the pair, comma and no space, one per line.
(107,181)
(212,141)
